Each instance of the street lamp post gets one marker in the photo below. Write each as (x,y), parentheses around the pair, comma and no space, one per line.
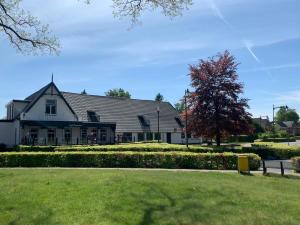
(186,118)
(158,134)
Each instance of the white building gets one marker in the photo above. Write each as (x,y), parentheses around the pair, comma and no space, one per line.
(50,116)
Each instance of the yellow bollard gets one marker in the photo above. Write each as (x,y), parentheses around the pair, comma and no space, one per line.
(243,164)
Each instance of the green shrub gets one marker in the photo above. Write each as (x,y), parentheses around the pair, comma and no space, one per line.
(296,164)
(241,138)
(162,147)
(182,160)
(267,150)
(276,140)
(29,148)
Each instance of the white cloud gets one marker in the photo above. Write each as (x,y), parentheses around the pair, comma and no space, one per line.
(289,97)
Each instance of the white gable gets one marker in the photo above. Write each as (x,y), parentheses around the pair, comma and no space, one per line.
(38,110)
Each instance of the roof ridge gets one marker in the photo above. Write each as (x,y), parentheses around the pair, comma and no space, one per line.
(118,98)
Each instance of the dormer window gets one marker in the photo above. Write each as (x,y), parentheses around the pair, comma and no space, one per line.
(51,107)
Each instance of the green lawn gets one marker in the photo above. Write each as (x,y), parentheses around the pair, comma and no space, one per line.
(79,196)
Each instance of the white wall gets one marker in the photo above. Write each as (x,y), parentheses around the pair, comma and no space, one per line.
(37,112)
(18,107)
(7,133)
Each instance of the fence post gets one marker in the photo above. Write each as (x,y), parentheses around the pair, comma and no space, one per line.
(264,167)
(281,168)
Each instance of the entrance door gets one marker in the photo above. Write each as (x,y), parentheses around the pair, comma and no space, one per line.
(169,139)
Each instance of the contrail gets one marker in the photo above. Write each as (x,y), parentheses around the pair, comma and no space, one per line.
(217,12)
(248,45)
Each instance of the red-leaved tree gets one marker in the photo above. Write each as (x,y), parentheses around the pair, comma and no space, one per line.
(215,107)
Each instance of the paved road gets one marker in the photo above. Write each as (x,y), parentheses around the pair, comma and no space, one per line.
(273,166)
(296,143)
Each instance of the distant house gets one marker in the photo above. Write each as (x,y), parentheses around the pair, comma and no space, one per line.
(50,116)
(263,122)
(290,127)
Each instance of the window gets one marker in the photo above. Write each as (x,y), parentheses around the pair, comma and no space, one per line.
(51,136)
(157,136)
(103,135)
(51,107)
(179,122)
(140,136)
(93,117)
(149,136)
(144,121)
(93,136)
(68,136)
(83,135)
(33,135)
(127,137)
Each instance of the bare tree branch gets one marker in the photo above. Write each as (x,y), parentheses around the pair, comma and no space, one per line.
(25,32)
(134,8)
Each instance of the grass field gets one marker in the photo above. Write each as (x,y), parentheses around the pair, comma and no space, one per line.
(92,196)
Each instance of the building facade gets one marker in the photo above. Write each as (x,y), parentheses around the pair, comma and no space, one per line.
(52,117)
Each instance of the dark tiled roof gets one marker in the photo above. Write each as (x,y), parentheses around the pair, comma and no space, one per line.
(125,112)
(37,93)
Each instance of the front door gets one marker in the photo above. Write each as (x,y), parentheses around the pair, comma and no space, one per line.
(169,139)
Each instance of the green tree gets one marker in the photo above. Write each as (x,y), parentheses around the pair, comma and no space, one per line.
(118,92)
(159,97)
(286,114)
(179,106)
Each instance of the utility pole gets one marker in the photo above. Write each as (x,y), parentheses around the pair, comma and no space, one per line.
(186,118)
(158,134)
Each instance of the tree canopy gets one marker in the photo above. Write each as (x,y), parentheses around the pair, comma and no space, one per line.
(215,107)
(179,106)
(24,31)
(28,35)
(286,114)
(134,8)
(118,92)
(159,97)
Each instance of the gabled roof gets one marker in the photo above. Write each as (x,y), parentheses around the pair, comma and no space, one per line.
(126,113)
(37,95)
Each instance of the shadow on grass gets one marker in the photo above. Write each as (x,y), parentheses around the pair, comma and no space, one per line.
(159,205)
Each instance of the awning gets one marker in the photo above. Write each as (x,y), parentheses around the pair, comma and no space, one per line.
(64,124)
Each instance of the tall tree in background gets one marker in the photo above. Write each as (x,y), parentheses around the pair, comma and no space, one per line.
(118,92)
(159,97)
(215,106)
(286,114)
(28,35)
(179,106)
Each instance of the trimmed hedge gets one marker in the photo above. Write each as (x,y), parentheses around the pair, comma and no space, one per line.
(241,138)
(265,150)
(296,164)
(172,160)
(273,150)
(124,147)
(276,140)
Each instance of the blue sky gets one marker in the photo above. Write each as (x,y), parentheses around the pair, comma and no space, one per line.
(100,52)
